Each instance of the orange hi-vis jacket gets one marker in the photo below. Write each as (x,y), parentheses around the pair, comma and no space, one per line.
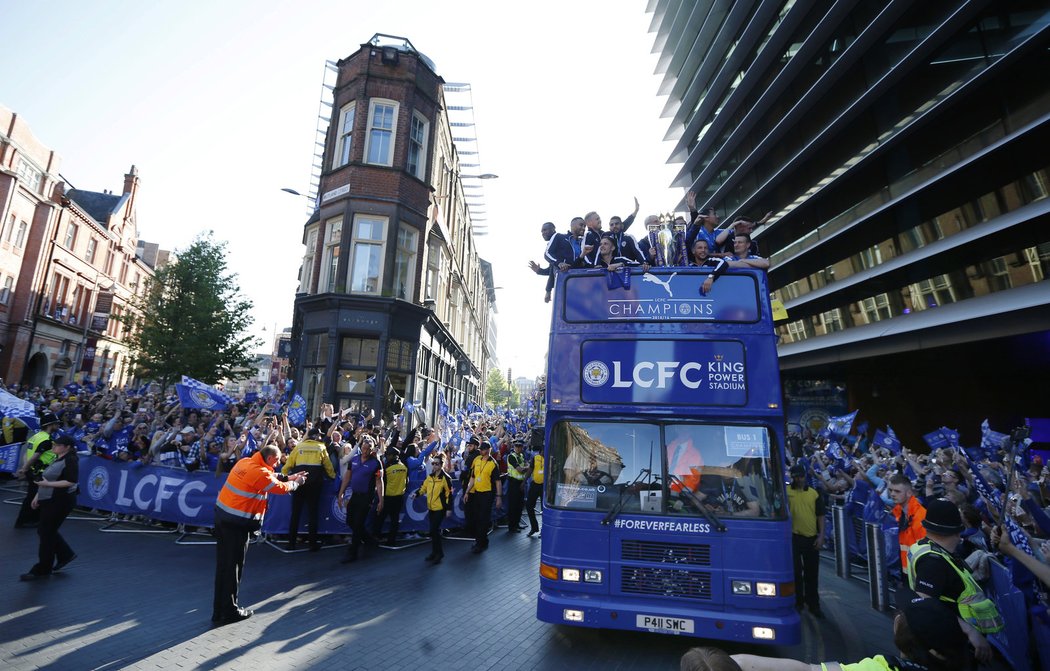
(244,494)
(910,530)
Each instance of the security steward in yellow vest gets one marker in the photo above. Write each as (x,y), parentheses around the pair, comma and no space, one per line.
(534,476)
(935,572)
(38,456)
(483,485)
(807,536)
(517,465)
(437,487)
(395,482)
(311,457)
(239,511)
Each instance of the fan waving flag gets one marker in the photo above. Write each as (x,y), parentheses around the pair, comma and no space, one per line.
(297,410)
(838,427)
(12,406)
(204,398)
(936,439)
(891,443)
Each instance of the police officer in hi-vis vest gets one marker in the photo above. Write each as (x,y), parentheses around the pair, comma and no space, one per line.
(311,457)
(38,456)
(517,465)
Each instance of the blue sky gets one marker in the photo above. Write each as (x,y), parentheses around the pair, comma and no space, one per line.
(216,102)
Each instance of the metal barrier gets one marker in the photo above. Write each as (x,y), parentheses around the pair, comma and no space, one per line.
(842,562)
(878,583)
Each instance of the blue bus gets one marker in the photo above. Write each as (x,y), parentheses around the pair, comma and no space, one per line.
(664,506)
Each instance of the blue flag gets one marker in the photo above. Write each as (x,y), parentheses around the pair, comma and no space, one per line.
(951,435)
(442,406)
(72,388)
(989,493)
(297,410)
(838,427)
(250,446)
(12,406)
(204,386)
(936,439)
(1018,537)
(251,397)
(204,398)
(891,443)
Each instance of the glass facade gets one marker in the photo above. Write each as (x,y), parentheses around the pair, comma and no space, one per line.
(896,145)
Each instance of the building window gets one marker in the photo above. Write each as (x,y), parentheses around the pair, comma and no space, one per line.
(308,261)
(330,262)
(405,262)
(417,146)
(30,175)
(20,239)
(366,254)
(346,135)
(382,120)
(6,233)
(92,249)
(9,287)
(71,235)
(434,259)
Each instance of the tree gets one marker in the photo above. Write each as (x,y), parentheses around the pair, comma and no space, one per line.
(190,319)
(496,391)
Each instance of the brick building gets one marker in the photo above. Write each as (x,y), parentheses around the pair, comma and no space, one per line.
(393,301)
(68,266)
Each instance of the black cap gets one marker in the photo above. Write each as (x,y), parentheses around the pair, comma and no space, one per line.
(393,452)
(64,440)
(49,418)
(942,517)
(473,440)
(797,471)
(313,432)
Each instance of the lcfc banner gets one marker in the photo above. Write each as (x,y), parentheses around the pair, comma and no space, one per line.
(662,297)
(165,494)
(663,372)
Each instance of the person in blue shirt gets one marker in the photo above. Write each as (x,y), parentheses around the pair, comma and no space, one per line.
(415,459)
(363,473)
(742,256)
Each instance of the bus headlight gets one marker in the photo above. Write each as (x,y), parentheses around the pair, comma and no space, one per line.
(570,574)
(570,615)
(741,587)
(766,588)
(592,575)
(762,633)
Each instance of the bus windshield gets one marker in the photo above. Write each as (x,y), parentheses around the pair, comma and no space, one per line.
(664,468)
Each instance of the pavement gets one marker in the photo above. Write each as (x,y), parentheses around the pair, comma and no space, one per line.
(142,601)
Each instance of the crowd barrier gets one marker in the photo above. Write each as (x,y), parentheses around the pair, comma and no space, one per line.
(188,498)
(1026,634)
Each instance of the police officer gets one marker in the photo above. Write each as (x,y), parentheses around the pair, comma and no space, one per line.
(311,456)
(483,484)
(933,571)
(437,488)
(38,456)
(395,481)
(517,465)
(239,510)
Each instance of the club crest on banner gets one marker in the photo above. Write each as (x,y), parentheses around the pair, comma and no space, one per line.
(337,512)
(98,483)
(203,398)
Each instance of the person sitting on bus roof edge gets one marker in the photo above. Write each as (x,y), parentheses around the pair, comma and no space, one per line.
(724,239)
(701,258)
(742,256)
(607,257)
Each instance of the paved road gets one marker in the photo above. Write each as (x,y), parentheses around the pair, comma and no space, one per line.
(140,601)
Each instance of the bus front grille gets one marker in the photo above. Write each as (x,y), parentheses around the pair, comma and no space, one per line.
(665,553)
(666,582)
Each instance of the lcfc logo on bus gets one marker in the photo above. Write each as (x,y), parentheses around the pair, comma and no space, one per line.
(646,374)
(596,373)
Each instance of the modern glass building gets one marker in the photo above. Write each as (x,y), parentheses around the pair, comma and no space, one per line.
(902,148)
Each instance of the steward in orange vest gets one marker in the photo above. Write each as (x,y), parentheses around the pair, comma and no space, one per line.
(238,513)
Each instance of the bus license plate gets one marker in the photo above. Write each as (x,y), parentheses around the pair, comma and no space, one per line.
(669,625)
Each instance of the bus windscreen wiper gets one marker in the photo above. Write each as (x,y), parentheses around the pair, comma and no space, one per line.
(708,515)
(615,510)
